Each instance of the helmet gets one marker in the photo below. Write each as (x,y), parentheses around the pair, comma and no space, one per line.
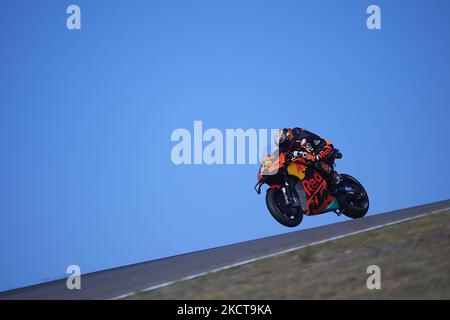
(283,137)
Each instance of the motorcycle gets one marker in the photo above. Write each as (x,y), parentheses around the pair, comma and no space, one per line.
(296,189)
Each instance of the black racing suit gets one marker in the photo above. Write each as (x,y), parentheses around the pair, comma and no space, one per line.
(320,151)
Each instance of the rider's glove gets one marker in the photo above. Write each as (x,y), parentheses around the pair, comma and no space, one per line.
(324,153)
(290,156)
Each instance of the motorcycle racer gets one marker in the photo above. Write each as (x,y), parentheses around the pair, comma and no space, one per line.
(298,142)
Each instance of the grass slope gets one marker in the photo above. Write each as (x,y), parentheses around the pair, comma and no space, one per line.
(414,258)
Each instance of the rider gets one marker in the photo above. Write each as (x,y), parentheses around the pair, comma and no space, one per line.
(298,142)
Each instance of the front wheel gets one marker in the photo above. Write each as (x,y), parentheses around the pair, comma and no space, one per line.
(286,215)
(355,199)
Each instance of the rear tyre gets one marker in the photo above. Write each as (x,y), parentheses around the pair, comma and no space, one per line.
(286,215)
(356,203)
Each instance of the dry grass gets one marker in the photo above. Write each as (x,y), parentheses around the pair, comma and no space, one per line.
(414,258)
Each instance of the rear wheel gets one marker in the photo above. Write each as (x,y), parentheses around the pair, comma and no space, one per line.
(355,198)
(288,216)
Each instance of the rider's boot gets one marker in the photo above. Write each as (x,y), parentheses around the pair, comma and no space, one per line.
(333,180)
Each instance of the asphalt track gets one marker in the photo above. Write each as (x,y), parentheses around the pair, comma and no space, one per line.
(122,281)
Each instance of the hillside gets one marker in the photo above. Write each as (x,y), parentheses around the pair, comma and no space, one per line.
(414,258)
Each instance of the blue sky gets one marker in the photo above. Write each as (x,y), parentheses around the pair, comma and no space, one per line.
(86,118)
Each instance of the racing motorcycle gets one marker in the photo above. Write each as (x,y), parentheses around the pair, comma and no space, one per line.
(296,188)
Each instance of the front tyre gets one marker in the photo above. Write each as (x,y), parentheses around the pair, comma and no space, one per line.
(356,201)
(286,215)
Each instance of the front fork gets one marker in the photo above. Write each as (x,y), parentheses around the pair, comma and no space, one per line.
(286,189)
(289,197)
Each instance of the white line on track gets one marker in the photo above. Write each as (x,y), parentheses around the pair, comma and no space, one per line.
(237,264)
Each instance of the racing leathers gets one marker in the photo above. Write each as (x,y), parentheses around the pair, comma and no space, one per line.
(318,151)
